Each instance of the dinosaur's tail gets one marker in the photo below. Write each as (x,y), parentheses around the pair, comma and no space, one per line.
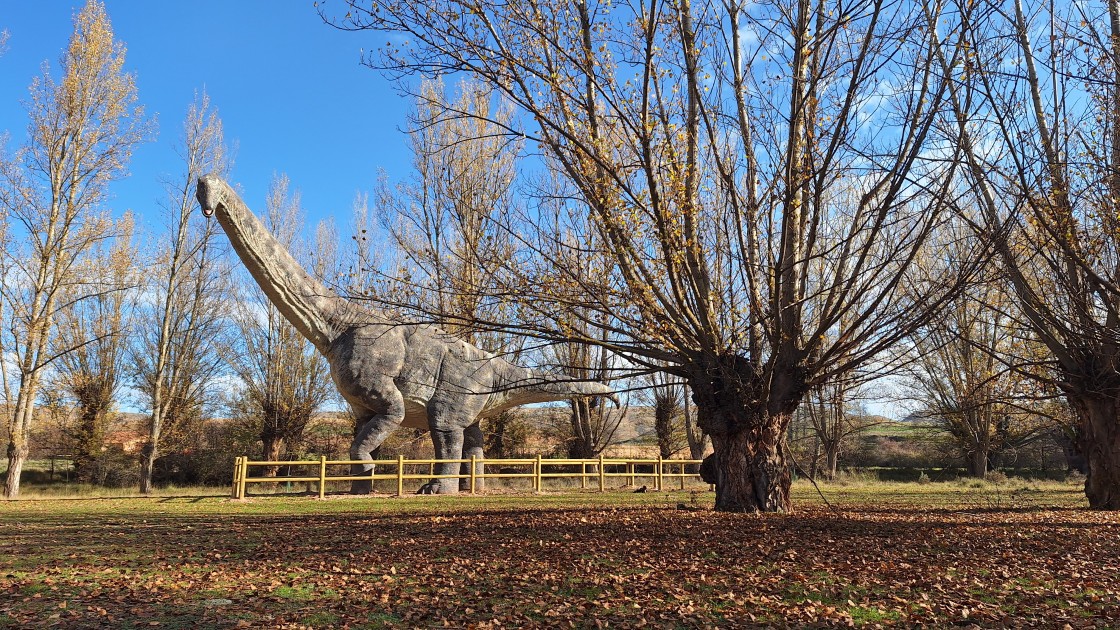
(534,386)
(569,389)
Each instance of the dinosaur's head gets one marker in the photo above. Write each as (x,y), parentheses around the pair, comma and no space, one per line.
(210,193)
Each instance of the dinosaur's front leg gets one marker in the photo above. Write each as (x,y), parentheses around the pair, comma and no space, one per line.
(472,446)
(371,433)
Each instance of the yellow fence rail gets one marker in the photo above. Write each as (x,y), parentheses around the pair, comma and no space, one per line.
(538,469)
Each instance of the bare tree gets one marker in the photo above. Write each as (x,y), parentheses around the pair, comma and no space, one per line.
(92,343)
(965,380)
(665,394)
(673,419)
(835,415)
(448,221)
(753,172)
(175,351)
(1036,112)
(81,135)
(285,379)
(593,423)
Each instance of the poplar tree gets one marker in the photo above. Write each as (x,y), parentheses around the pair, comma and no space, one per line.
(175,350)
(83,128)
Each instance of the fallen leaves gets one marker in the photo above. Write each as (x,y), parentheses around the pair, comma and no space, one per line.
(609,567)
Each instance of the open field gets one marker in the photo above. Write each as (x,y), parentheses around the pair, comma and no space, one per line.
(892,554)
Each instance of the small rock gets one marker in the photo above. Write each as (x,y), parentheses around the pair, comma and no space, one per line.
(211,603)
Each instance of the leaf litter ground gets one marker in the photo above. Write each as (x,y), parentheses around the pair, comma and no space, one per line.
(884,558)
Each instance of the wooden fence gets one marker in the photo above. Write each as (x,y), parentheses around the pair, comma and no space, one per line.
(589,471)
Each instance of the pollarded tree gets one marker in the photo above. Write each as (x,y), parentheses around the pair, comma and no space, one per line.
(754,173)
(80,137)
(673,421)
(592,421)
(834,415)
(665,394)
(1036,113)
(964,377)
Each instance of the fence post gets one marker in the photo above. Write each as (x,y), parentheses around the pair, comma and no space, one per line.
(602,475)
(244,473)
(660,474)
(473,460)
(400,475)
(322,476)
(684,470)
(537,473)
(630,469)
(236,477)
(583,475)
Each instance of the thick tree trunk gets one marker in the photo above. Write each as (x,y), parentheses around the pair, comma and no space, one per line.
(271,453)
(978,463)
(1100,444)
(16,457)
(751,473)
(831,460)
(746,414)
(147,466)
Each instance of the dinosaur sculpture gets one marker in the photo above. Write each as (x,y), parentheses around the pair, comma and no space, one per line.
(391,374)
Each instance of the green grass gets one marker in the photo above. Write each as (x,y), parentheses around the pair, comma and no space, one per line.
(295,593)
(894,428)
(972,494)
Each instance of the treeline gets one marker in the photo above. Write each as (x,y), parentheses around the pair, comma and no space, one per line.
(743,214)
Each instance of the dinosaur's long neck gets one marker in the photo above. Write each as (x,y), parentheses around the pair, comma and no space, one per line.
(300,298)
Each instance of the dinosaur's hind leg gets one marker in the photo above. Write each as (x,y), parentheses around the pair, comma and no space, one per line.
(472,446)
(372,431)
(448,443)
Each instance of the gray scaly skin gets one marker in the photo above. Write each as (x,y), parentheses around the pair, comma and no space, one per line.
(391,374)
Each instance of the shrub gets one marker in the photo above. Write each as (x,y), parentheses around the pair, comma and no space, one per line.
(995,477)
(113,468)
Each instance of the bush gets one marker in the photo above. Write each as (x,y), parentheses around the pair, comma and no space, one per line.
(113,468)
(923,478)
(995,477)
(210,467)
(896,452)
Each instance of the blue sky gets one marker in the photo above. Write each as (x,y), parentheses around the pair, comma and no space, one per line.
(289,89)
